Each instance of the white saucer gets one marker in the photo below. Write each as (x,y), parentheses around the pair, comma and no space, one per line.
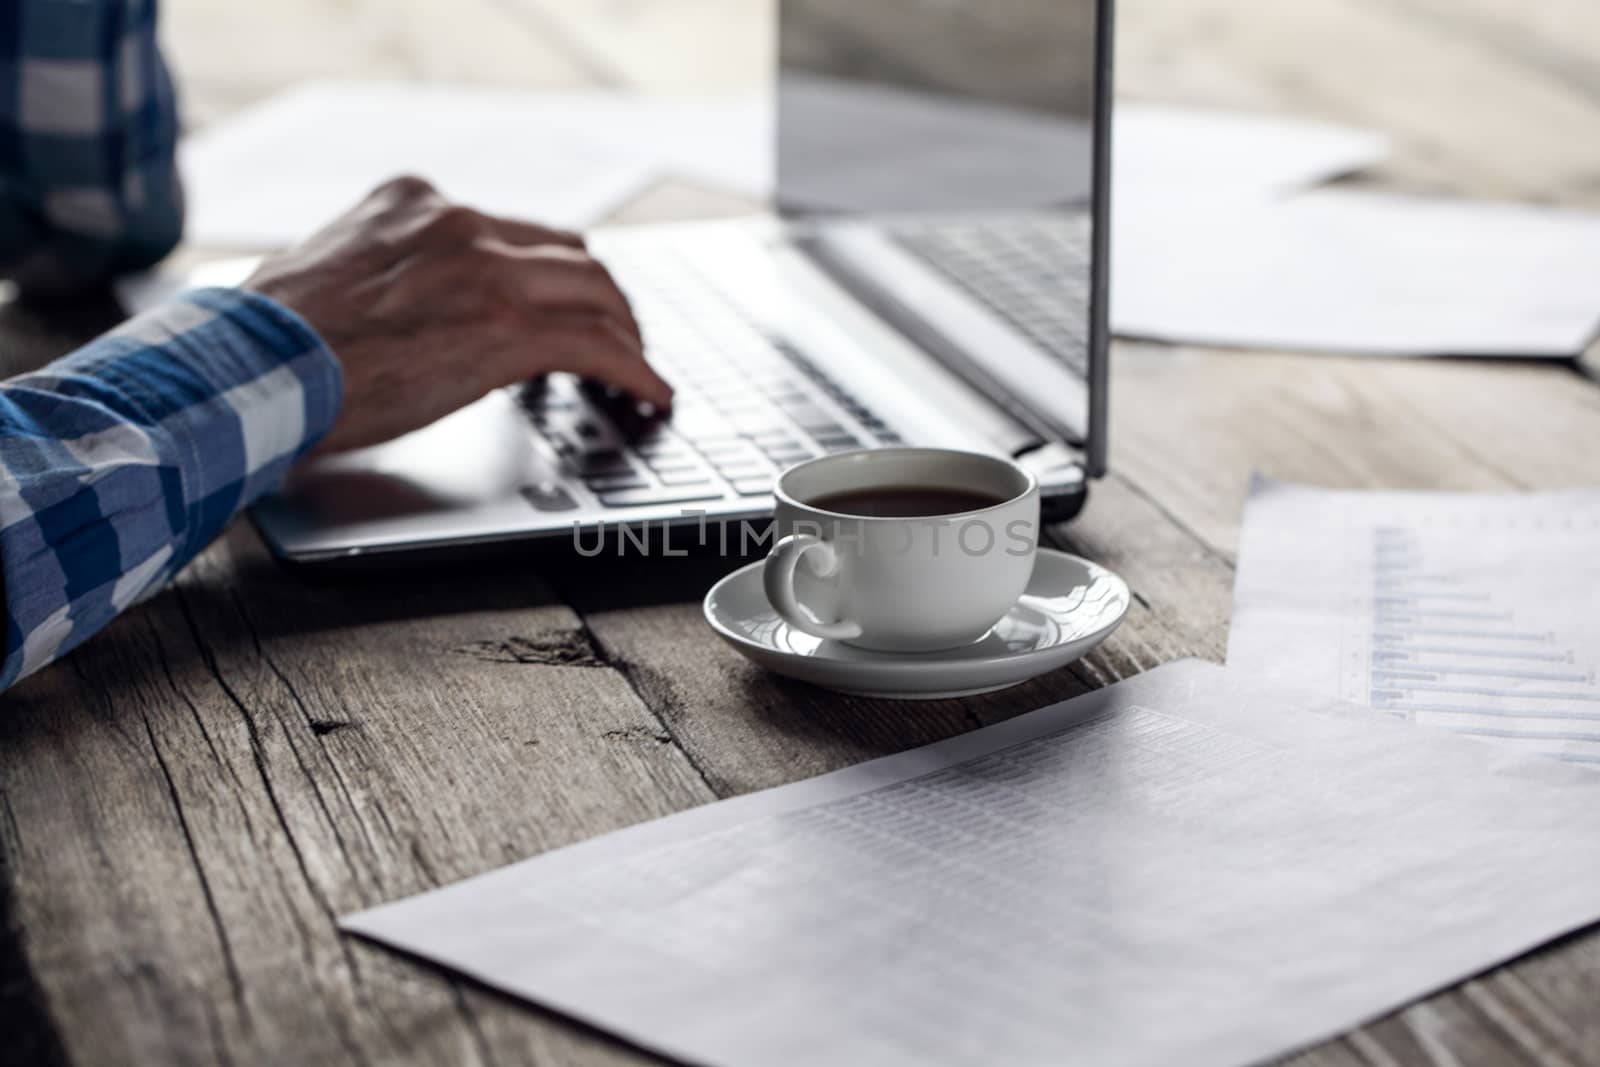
(1070,607)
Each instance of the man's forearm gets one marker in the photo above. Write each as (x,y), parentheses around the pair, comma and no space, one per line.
(121,461)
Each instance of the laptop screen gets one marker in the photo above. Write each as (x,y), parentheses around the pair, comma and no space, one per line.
(984,119)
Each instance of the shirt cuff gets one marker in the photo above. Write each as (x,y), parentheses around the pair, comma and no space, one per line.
(240,385)
(122,460)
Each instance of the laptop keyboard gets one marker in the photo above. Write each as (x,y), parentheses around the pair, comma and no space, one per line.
(748,404)
(1031,272)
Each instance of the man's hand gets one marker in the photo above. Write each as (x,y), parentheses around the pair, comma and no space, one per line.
(429,305)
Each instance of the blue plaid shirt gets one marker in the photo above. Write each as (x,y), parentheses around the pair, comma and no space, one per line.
(122,460)
(88,132)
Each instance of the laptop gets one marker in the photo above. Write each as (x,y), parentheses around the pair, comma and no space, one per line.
(935,274)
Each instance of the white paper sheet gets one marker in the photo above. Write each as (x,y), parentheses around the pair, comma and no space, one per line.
(1191,155)
(1356,272)
(1475,612)
(275,173)
(1182,868)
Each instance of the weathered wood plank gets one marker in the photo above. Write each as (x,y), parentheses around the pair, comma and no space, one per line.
(1189,426)
(1555,38)
(186,802)
(194,796)
(1469,118)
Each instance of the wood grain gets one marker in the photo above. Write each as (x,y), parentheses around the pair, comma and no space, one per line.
(1470,113)
(203,789)
(189,800)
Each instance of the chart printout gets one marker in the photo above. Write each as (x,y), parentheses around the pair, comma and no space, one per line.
(1183,868)
(1475,612)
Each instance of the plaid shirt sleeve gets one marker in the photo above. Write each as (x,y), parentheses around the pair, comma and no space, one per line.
(119,462)
(88,135)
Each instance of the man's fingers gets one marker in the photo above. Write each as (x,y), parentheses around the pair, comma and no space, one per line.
(517,232)
(596,347)
(410,195)
(559,279)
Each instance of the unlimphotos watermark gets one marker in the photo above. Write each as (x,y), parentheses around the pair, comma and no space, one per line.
(693,530)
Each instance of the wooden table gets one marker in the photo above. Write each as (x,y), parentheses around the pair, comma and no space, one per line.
(188,802)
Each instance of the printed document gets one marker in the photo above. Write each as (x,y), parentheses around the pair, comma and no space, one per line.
(1476,612)
(1182,868)
(1331,270)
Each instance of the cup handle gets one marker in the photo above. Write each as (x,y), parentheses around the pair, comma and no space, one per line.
(778,579)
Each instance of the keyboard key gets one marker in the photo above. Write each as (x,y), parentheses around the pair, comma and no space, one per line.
(828,429)
(752,486)
(603,462)
(808,415)
(629,498)
(757,423)
(722,447)
(740,459)
(701,423)
(685,477)
(670,464)
(778,437)
(608,482)
(785,443)
(790,457)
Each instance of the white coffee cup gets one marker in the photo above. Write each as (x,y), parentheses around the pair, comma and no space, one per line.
(913,583)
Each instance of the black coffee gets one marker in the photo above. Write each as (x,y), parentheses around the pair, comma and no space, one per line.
(905,501)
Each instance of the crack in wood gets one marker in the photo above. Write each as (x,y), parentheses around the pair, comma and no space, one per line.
(11,840)
(638,733)
(645,682)
(199,721)
(423,865)
(230,962)
(320,727)
(258,755)
(480,1040)
(561,648)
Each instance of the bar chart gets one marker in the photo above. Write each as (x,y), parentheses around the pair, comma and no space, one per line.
(1476,613)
